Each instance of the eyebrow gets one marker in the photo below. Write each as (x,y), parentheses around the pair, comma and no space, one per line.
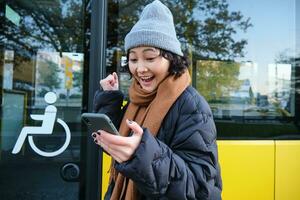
(145,50)
(150,49)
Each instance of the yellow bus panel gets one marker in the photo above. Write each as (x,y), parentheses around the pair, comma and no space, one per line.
(106,160)
(287,179)
(247,169)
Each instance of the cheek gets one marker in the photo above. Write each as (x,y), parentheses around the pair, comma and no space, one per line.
(164,70)
(132,69)
(162,75)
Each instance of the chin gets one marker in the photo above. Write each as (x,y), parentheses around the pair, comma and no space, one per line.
(148,89)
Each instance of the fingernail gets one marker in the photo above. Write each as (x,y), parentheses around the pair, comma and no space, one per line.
(96,141)
(98,132)
(94,135)
(130,121)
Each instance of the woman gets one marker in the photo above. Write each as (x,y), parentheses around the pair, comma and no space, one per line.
(167,148)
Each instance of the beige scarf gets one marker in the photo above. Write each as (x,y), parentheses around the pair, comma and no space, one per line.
(148,110)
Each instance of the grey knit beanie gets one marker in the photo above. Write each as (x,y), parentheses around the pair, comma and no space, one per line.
(154,28)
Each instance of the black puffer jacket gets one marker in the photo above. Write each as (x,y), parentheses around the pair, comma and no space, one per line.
(182,161)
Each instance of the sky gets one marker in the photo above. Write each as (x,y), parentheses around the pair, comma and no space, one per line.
(298,27)
(273,33)
(274,27)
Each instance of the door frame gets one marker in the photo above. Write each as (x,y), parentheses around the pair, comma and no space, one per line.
(97,70)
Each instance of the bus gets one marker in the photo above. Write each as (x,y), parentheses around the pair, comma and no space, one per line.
(245,61)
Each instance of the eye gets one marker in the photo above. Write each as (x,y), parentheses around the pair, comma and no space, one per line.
(133,60)
(151,59)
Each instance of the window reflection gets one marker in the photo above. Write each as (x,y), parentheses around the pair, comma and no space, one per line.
(59,74)
(232,89)
(42,48)
(42,45)
(243,54)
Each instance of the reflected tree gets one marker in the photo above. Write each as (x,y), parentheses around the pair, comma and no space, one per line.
(48,76)
(207,28)
(53,25)
(78,79)
(218,78)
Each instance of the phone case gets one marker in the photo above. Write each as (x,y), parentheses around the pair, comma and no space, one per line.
(99,121)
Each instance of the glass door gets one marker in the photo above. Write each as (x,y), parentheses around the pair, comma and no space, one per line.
(42,60)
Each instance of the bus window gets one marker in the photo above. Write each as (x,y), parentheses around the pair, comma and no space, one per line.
(244,61)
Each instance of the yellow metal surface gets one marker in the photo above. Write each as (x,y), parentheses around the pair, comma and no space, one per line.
(105,173)
(287,179)
(247,169)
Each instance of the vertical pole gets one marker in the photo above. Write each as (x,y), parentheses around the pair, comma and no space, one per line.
(96,72)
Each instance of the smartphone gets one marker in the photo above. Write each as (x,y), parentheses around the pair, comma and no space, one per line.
(99,121)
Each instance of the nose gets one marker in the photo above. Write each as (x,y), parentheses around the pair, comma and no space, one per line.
(141,67)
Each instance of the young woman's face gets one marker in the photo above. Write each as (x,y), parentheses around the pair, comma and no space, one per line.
(148,67)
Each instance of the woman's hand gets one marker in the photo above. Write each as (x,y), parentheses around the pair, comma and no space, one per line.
(111,82)
(119,147)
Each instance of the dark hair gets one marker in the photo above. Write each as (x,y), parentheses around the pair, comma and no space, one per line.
(178,64)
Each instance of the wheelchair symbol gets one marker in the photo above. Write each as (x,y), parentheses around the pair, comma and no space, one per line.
(48,119)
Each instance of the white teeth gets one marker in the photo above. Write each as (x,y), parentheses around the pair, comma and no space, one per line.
(146,78)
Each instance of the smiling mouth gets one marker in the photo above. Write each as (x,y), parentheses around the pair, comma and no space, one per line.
(147,79)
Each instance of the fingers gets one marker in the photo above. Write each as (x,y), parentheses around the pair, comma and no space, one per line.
(120,153)
(111,152)
(119,147)
(136,129)
(116,80)
(114,139)
(96,138)
(111,82)
(115,75)
(106,83)
(111,79)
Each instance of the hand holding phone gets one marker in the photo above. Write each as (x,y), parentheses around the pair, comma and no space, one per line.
(121,148)
(99,121)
